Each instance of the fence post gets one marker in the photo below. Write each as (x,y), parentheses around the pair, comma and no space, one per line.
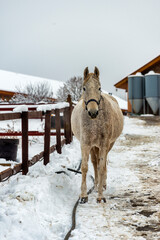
(24,143)
(58,130)
(47,137)
(67,129)
(69,100)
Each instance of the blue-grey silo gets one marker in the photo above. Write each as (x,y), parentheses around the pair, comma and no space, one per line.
(136,91)
(152,90)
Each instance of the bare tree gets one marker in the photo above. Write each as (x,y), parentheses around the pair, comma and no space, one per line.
(33,92)
(73,86)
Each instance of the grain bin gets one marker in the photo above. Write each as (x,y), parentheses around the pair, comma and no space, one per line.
(152,90)
(136,91)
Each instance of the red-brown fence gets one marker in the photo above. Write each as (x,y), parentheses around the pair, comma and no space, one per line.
(25,116)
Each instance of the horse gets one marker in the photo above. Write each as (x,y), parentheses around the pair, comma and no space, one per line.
(97,121)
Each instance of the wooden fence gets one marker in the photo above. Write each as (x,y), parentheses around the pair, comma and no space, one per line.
(25,116)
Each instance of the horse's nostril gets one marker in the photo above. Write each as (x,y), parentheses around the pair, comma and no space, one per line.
(93,114)
(89,114)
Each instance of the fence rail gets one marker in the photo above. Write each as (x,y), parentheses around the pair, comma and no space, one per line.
(25,116)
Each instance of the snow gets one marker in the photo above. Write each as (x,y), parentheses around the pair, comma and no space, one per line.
(138,74)
(39,205)
(11,80)
(21,108)
(122,103)
(151,73)
(52,106)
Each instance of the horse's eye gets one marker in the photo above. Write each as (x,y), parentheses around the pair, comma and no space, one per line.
(99,89)
(84,89)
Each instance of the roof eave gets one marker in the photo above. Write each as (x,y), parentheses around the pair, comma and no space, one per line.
(143,68)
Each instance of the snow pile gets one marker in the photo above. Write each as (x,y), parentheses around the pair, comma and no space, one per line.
(21,108)
(52,106)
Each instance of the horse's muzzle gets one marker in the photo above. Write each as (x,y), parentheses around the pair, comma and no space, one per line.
(93,114)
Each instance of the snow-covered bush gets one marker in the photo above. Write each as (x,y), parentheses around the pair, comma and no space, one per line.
(73,87)
(33,93)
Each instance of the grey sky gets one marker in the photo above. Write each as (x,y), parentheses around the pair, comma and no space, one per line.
(57,39)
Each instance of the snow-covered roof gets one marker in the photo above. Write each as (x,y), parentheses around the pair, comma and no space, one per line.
(9,81)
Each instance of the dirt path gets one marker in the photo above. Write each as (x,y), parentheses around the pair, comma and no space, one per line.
(132,210)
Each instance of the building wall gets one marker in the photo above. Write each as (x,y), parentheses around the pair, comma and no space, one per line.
(6,95)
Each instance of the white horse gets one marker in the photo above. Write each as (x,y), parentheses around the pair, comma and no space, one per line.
(97,122)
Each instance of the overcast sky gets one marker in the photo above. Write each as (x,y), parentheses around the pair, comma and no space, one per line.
(57,39)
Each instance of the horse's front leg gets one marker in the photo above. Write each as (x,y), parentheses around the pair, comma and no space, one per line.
(102,173)
(84,168)
(94,159)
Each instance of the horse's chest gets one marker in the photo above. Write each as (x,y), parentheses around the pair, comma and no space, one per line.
(94,132)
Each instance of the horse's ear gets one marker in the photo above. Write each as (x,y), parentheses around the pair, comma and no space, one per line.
(86,72)
(96,72)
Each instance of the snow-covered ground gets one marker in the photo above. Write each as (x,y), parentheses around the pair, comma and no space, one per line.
(39,205)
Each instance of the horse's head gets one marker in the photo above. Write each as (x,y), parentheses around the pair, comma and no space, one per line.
(92,92)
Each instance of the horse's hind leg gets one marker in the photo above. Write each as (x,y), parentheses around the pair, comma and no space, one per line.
(95,158)
(102,172)
(105,174)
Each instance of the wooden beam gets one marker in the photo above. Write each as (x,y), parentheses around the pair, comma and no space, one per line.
(47,137)
(58,130)
(67,125)
(6,173)
(30,133)
(24,143)
(9,116)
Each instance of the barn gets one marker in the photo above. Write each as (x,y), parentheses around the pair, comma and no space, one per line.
(153,65)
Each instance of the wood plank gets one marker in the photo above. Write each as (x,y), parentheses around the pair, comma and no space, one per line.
(30,133)
(5,164)
(47,137)
(36,158)
(67,125)
(9,116)
(52,148)
(58,131)
(17,168)
(24,143)
(35,115)
(63,142)
(6,173)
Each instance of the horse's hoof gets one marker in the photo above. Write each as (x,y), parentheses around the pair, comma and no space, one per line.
(83,200)
(101,199)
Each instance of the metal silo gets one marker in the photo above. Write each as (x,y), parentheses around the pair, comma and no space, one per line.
(152,90)
(136,91)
